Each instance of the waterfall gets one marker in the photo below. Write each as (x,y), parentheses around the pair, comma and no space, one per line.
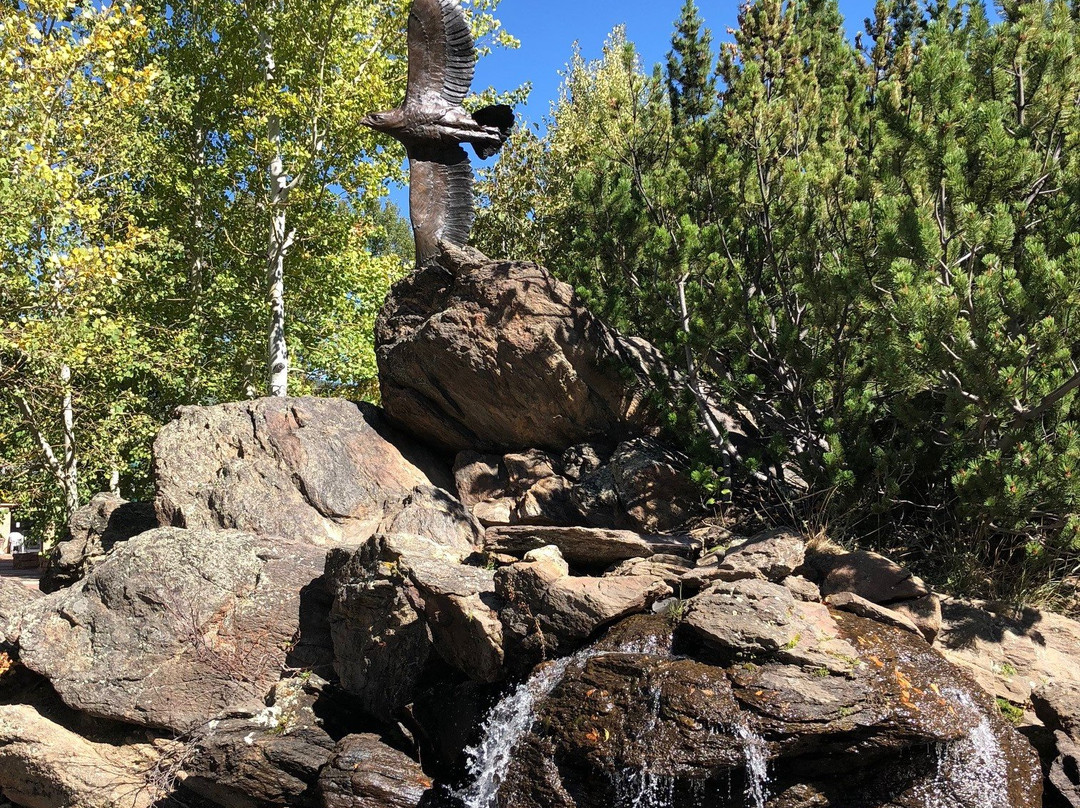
(756,755)
(642,788)
(512,718)
(504,726)
(973,770)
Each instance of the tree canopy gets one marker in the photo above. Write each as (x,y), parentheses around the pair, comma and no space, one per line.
(158,166)
(863,256)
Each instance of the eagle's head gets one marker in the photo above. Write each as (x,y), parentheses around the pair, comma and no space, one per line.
(383,121)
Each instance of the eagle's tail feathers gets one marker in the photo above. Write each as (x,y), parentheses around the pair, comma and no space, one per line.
(500,116)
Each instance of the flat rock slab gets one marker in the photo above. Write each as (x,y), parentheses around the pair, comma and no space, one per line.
(1010,651)
(671,568)
(174,627)
(319,470)
(754,619)
(587,546)
(850,602)
(772,555)
(498,355)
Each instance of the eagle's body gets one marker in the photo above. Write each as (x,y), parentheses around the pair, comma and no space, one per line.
(433,125)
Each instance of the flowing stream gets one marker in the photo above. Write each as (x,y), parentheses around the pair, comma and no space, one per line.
(973,770)
(512,718)
(505,725)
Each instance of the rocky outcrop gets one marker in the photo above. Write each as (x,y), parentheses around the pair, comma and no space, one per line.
(175,626)
(328,607)
(93,531)
(272,758)
(399,599)
(672,568)
(653,485)
(1010,651)
(364,771)
(879,580)
(772,555)
(583,546)
(550,611)
(901,728)
(449,333)
(640,486)
(44,764)
(747,618)
(315,470)
(15,598)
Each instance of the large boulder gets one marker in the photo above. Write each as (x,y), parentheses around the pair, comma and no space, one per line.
(449,333)
(92,531)
(272,758)
(317,470)
(633,725)
(176,626)
(44,764)
(548,610)
(400,600)
(365,772)
(751,618)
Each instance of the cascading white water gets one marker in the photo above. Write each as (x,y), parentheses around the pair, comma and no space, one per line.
(972,771)
(640,788)
(755,753)
(504,726)
(512,718)
(643,788)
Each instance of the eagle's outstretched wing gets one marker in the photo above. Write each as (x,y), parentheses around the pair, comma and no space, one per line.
(440,199)
(441,53)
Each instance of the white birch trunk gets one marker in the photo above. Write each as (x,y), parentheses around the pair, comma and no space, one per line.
(65,468)
(70,475)
(279,243)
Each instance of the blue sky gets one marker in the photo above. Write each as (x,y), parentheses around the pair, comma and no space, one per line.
(548,29)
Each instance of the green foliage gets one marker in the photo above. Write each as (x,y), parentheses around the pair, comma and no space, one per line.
(1013,714)
(135,147)
(691,82)
(868,256)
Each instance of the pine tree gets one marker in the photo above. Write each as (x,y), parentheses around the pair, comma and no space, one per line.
(691,80)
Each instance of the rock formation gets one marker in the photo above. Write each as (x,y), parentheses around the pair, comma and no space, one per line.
(496,594)
(499,355)
(92,532)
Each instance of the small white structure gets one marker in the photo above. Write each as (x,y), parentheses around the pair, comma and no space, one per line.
(6,509)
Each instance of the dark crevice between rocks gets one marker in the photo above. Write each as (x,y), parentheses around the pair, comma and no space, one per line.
(312,649)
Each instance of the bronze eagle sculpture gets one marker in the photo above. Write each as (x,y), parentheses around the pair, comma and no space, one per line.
(433,125)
